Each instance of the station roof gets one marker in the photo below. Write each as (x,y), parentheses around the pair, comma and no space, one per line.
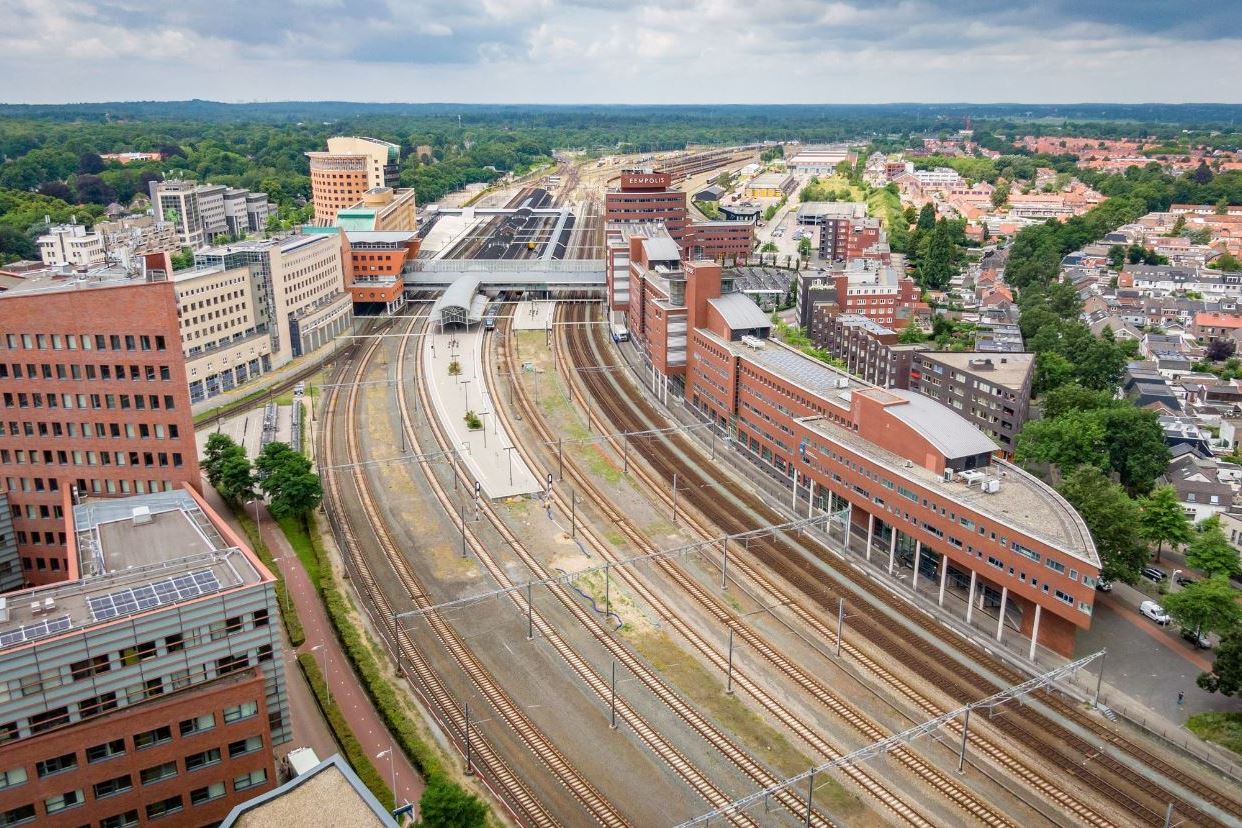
(463,297)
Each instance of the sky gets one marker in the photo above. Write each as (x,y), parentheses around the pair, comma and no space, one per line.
(614,51)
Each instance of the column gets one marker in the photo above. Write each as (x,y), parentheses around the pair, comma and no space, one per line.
(918,554)
(810,493)
(892,549)
(944,577)
(970,599)
(1000,619)
(1035,632)
(870,533)
(849,524)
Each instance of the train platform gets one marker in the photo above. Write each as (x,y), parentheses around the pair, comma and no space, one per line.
(533,316)
(488,451)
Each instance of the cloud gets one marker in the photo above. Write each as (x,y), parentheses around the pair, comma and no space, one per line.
(613,51)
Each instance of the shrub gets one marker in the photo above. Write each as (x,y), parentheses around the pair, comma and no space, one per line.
(473,421)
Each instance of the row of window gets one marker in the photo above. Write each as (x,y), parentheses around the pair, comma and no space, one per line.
(92,402)
(74,372)
(115,431)
(84,342)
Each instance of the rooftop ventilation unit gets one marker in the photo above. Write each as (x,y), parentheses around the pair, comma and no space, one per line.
(752,342)
(141,515)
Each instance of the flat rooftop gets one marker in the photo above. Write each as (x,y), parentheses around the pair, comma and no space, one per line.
(135,554)
(328,795)
(811,375)
(53,281)
(1008,369)
(1023,501)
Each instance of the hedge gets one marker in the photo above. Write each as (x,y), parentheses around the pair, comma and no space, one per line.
(382,693)
(354,752)
(288,612)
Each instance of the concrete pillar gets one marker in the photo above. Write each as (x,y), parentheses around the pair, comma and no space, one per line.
(849,524)
(970,599)
(892,549)
(1035,632)
(918,554)
(870,533)
(1000,619)
(944,577)
(810,493)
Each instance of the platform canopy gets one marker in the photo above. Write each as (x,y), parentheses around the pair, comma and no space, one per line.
(461,302)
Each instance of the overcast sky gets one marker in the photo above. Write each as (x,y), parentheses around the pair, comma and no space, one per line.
(613,51)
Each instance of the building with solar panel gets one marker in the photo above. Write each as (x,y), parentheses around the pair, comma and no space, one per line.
(159,661)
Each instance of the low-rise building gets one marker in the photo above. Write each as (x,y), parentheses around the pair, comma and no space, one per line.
(325,796)
(771,185)
(72,245)
(1199,486)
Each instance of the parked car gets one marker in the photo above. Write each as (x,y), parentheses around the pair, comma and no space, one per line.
(1154,573)
(1155,612)
(1200,640)
(1183,579)
(1104,585)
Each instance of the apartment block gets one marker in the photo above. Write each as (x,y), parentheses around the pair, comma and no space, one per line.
(992,391)
(350,167)
(865,287)
(868,349)
(150,686)
(120,240)
(201,212)
(71,244)
(94,398)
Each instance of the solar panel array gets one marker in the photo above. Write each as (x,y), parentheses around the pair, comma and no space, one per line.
(155,594)
(29,632)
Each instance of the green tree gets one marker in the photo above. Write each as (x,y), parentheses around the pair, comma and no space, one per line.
(1163,520)
(1136,448)
(236,477)
(1210,552)
(445,804)
(1113,520)
(938,265)
(927,217)
(1227,262)
(1117,256)
(218,448)
(1000,196)
(1226,675)
(1210,605)
(293,489)
(1073,397)
(804,247)
(911,335)
(1067,442)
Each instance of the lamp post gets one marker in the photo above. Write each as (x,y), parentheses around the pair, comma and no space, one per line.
(392,767)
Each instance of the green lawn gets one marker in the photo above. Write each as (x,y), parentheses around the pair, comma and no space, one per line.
(1224,729)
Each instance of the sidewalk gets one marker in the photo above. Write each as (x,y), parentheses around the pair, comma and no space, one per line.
(346,689)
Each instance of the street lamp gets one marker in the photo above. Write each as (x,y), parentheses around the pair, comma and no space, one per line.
(323,666)
(392,765)
(1173,579)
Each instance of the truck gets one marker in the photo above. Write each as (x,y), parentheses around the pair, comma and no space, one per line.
(619,333)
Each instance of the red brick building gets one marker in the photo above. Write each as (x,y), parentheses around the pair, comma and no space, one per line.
(94,395)
(375,261)
(916,483)
(842,239)
(864,287)
(645,197)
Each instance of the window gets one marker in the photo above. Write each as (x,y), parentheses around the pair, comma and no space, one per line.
(202,759)
(12,778)
(155,773)
(213,791)
(243,746)
(249,780)
(240,711)
(49,719)
(198,724)
(60,802)
(164,807)
(17,816)
(111,787)
(150,738)
(125,820)
(98,753)
(1054,565)
(56,764)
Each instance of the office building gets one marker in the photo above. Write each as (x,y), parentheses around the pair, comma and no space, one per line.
(72,245)
(991,390)
(915,482)
(863,286)
(223,333)
(94,396)
(350,167)
(150,686)
(299,284)
(645,196)
(202,212)
(381,209)
(118,241)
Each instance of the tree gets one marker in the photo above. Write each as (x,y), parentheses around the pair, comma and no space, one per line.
(1202,173)
(1000,196)
(911,335)
(1067,442)
(927,217)
(1219,350)
(285,475)
(1117,256)
(90,163)
(219,446)
(1227,262)
(445,804)
(804,247)
(236,479)
(56,189)
(1210,552)
(1226,675)
(937,267)
(91,189)
(1073,397)
(1113,520)
(1136,447)
(1163,520)
(1210,605)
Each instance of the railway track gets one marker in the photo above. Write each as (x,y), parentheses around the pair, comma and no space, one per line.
(1104,774)
(508,785)
(617,650)
(964,801)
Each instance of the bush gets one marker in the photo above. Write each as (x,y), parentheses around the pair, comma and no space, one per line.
(1223,728)
(444,803)
(350,746)
(454,368)
(473,421)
